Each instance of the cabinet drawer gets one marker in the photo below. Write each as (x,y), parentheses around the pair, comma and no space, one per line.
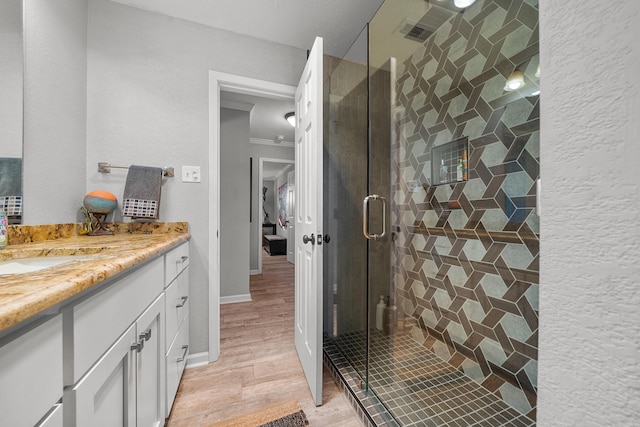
(176,361)
(94,324)
(31,374)
(177,305)
(175,261)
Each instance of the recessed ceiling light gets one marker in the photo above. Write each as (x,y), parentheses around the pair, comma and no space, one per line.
(463,3)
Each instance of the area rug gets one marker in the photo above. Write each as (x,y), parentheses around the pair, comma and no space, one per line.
(283,414)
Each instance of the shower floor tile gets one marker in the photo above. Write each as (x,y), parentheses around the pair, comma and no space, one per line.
(417,388)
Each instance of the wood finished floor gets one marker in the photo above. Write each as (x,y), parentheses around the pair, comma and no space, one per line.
(258,363)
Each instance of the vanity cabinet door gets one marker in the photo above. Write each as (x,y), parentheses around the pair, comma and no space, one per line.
(150,366)
(93,324)
(106,395)
(31,374)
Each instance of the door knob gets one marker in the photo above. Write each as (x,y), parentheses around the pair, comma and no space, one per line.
(307,239)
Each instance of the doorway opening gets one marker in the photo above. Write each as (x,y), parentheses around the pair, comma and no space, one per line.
(223,82)
(276,207)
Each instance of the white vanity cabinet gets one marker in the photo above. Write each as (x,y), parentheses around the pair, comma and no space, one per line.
(114,352)
(111,356)
(31,376)
(177,318)
(127,382)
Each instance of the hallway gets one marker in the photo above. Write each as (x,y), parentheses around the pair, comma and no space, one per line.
(258,364)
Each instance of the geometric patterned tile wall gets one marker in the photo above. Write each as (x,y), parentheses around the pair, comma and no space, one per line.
(466,273)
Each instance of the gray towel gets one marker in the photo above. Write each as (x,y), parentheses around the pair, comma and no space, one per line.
(10,176)
(141,197)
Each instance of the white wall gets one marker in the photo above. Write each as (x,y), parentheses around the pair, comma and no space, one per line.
(589,369)
(11,78)
(148,104)
(234,203)
(55,110)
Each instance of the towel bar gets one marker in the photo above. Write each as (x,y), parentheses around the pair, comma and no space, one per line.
(104,167)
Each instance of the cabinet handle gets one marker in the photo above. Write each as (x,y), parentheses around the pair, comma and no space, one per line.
(183,301)
(146,335)
(138,346)
(185,349)
(184,258)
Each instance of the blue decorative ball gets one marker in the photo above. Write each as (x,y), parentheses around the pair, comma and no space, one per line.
(100,201)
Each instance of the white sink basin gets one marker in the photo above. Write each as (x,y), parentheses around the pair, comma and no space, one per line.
(29,265)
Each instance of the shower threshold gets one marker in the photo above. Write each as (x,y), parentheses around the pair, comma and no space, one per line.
(411,386)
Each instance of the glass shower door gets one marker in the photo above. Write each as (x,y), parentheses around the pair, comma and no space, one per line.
(345,173)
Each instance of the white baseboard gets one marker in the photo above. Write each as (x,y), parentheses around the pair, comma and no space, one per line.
(253,272)
(235,298)
(197,359)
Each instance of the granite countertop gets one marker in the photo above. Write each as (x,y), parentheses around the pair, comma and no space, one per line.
(23,296)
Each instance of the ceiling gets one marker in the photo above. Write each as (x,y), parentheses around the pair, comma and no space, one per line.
(290,22)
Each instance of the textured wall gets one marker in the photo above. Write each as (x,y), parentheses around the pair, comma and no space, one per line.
(234,203)
(11,78)
(148,103)
(589,369)
(55,110)
(468,270)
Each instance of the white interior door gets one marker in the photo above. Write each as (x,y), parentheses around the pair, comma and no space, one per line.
(308,219)
(291,222)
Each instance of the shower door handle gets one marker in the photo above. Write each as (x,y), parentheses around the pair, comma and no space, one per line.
(365,217)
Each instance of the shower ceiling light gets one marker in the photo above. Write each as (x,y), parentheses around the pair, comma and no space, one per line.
(463,3)
(515,81)
(291,118)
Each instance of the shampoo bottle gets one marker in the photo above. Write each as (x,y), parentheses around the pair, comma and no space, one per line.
(380,313)
(465,175)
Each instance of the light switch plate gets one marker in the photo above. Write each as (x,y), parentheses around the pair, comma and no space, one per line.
(190,173)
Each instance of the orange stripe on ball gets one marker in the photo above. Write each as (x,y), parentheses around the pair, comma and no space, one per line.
(102,194)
